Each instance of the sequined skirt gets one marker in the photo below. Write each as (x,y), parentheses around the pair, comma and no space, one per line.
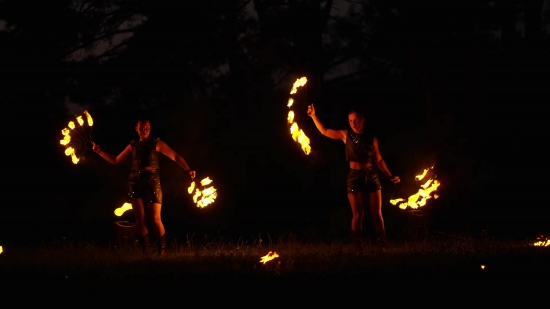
(145,185)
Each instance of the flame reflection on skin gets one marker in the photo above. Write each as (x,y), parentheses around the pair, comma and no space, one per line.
(122,209)
(270,256)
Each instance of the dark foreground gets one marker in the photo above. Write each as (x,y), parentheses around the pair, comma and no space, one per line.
(416,268)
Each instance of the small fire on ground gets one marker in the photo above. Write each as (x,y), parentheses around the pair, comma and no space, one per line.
(270,256)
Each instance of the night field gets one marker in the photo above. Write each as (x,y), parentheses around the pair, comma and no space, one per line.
(446,101)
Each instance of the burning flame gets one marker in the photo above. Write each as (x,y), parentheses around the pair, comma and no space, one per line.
(482,266)
(270,256)
(298,135)
(1,250)
(542,241)
(419,198)
(290,117)
(66,141)
(203,197)
(89,118)
(122,209)
(300,82)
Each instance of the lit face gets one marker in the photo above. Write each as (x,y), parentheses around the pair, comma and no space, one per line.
(143,128)
(356,122)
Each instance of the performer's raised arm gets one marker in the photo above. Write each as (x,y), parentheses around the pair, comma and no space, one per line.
(163,148)
(334,134)
(111,158)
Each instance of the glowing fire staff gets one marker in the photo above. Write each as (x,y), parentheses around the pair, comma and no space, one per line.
(144,180)
(362,180)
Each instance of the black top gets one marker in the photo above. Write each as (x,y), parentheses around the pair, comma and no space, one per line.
(144,154)
(359,147)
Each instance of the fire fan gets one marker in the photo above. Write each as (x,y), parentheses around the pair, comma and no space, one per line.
(424,193)
(297,134)
(205,193)
(77,139)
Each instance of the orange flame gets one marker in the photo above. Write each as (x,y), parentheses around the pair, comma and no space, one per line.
(89,118)
(542,242)
(122,209)
(290,102)
(66,140)
(65,132)
(419,198)
(270,256)
(71,125)
(205,196)
(80,121)
(1,249)
(298,83)
(290,117)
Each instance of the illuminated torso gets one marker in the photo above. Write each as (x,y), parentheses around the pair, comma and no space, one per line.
(359,147)
(144,154)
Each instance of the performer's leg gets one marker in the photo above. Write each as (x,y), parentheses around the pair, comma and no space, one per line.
(375,205)
(139,214)
(159,228)
(358,212)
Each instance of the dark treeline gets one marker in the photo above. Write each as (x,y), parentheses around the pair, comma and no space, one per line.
(445,82)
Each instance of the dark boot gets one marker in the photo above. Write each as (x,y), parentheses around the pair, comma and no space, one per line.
(162,245)
(145,245)
(381,238)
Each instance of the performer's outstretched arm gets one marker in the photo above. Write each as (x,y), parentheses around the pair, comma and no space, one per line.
(381,164)
(111,158)
(163,148)
(334,134)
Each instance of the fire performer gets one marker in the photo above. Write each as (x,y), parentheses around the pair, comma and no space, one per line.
(362,180)
(144,181)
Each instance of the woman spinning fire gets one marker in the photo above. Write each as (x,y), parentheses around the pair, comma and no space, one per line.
(144,180)
(362,179)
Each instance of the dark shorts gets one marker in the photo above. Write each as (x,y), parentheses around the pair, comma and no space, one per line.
(365,180)
(145,185)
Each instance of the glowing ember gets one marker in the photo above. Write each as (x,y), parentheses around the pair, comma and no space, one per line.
(80,121)
(419,198)
(205,196)
(122,209)
(270,256)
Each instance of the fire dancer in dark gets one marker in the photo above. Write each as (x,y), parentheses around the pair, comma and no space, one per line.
(362,180)
(144,181)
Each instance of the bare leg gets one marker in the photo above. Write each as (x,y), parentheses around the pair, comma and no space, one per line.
(139,213)
(358,212)
(375,204)
(157,223)
(159,227)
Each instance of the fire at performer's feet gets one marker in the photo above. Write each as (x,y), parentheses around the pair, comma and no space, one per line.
(144,189)
(363,184)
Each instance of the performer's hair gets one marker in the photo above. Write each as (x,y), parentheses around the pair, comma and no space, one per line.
(143,118)
(359,113)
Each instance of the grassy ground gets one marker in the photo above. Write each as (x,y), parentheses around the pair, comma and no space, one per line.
(442,265)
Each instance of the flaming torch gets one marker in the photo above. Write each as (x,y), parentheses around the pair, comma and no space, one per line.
(122,209)
(270,256)
(419,198)
(73,139)
(297,134)
(205,195)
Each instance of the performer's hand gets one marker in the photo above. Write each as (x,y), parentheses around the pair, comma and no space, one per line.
(310,110)
(95,147)
(192,174)
(395,179)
